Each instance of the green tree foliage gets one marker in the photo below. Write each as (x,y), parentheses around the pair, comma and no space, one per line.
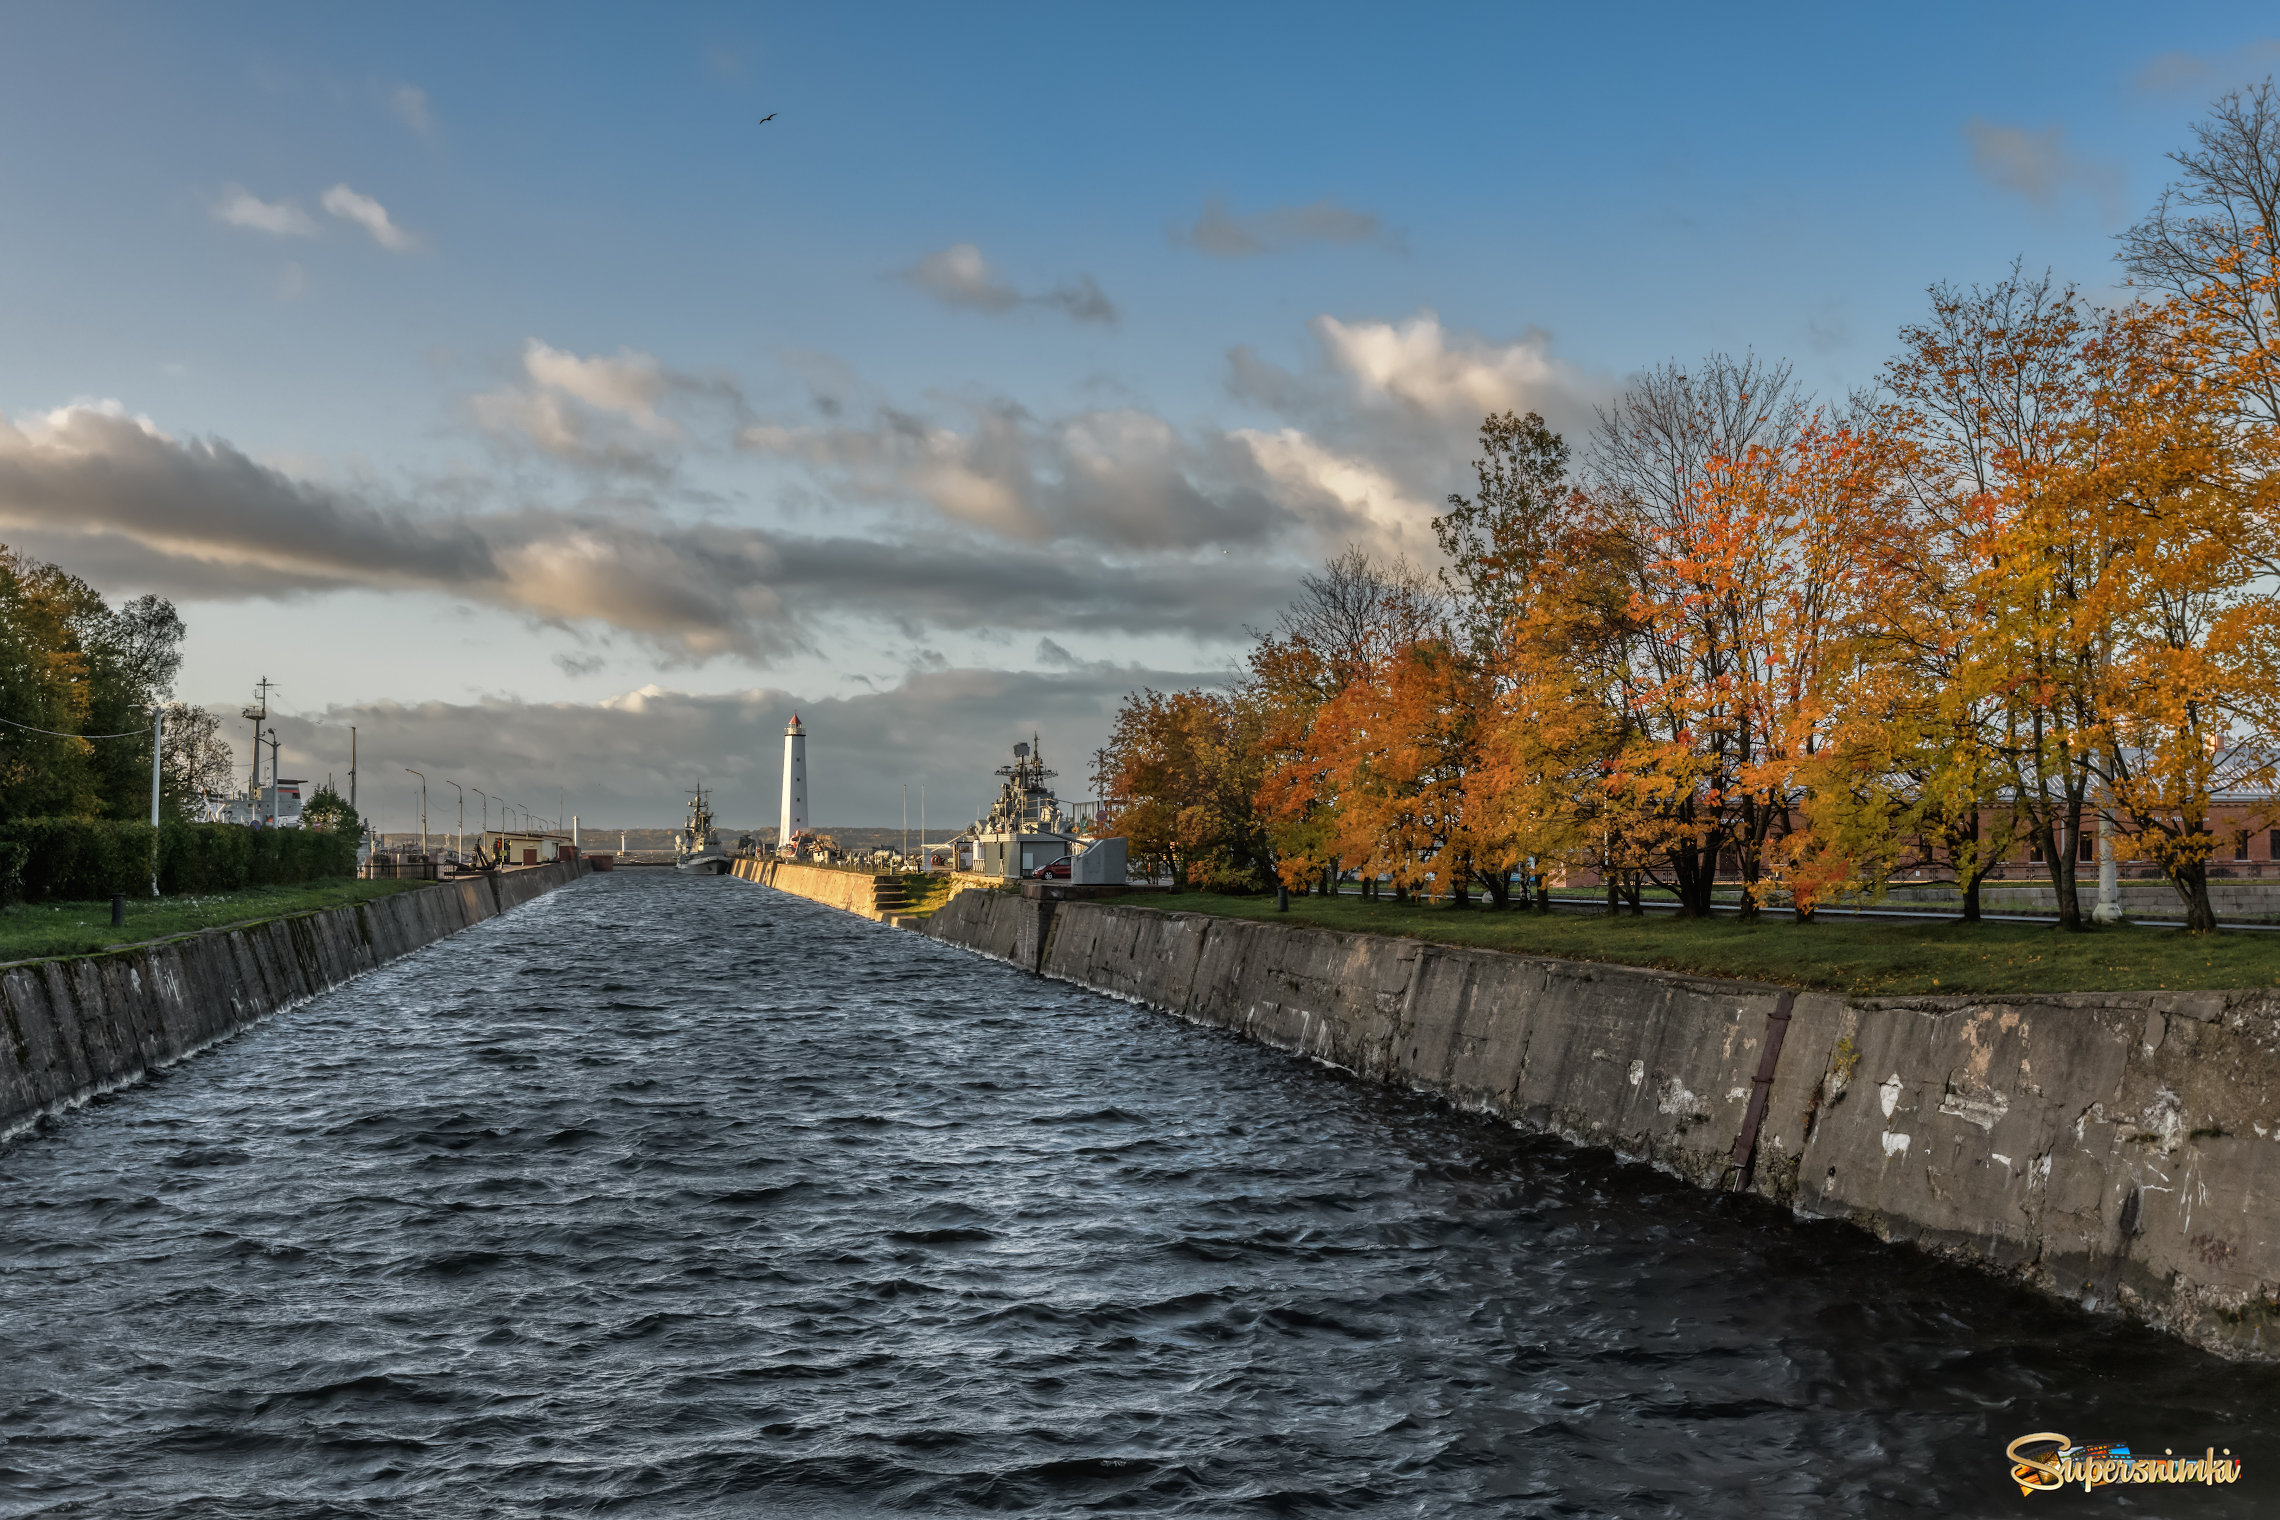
(328,812)
(197,759)
(72,664)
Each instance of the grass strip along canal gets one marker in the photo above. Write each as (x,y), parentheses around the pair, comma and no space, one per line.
(31,931)
(1859,957)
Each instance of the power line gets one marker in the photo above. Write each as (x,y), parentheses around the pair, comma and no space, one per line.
(132,733)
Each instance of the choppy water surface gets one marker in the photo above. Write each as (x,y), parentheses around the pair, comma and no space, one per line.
(681,1197)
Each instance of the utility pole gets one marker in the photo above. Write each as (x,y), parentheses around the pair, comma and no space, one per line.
(923,847)
(459,835)
(259,717)
(906,821)
(272,773)
(157,748)
(423,812)
(352,767)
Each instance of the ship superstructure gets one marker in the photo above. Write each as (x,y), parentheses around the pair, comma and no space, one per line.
(1025,828)
(695,847)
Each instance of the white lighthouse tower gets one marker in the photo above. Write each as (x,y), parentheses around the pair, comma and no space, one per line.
(795,784)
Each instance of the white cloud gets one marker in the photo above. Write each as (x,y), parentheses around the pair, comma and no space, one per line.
(1081,300)
(1125,479)
(599,411)
(240,207)
(1347,497)
(959,276)
(2038,165)
(410,104)
(627,383)
(2182,73)
(1387,415)
(365,212)
(1222,232)
(1421,364)
(1378,429)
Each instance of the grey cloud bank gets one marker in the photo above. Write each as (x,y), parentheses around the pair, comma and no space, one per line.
(127,505)
(628,762)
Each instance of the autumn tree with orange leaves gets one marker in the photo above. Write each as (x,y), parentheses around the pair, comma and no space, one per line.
(2028,591)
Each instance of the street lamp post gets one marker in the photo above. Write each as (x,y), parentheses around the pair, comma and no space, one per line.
(459,835)
(423,812)
(274,783)
(157,749)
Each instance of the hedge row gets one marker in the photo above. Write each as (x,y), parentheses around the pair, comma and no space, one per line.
(85,860)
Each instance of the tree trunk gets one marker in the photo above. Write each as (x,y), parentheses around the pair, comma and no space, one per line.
(2070,915)
(1698,884)
(2192,884)
(2056,849)
(1961,839)
(1498,885)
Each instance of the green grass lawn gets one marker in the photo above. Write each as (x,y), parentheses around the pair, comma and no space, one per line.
(35,930)
(1839,955)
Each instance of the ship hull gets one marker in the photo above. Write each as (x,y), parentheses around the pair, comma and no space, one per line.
(704,865)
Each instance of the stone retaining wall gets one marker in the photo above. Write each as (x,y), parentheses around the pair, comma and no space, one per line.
(2119,1150)
(74,1027)
(848,891)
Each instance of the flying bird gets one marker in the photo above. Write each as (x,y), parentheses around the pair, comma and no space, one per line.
(771,116)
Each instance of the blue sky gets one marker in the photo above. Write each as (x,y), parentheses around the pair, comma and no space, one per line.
(487,376)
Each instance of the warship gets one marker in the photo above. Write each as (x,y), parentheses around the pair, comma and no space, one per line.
(694,848)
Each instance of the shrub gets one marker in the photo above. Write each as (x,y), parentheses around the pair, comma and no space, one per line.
(85,860)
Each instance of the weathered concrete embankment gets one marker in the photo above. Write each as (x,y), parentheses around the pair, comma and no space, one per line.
(72,1028)
(2118,1150)
(875,897)
(849,891)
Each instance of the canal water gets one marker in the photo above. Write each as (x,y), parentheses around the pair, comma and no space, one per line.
(673,1196)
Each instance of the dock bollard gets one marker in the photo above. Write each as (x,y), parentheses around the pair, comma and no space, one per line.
(118,910)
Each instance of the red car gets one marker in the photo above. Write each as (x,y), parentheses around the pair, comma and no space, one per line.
(1053,869)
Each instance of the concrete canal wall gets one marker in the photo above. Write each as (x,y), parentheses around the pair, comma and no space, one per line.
(878,898)
(2117,1150)
(849,891)
(75,1027)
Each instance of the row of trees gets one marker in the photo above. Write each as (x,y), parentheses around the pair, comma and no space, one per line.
(2023,585)
(71,665)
